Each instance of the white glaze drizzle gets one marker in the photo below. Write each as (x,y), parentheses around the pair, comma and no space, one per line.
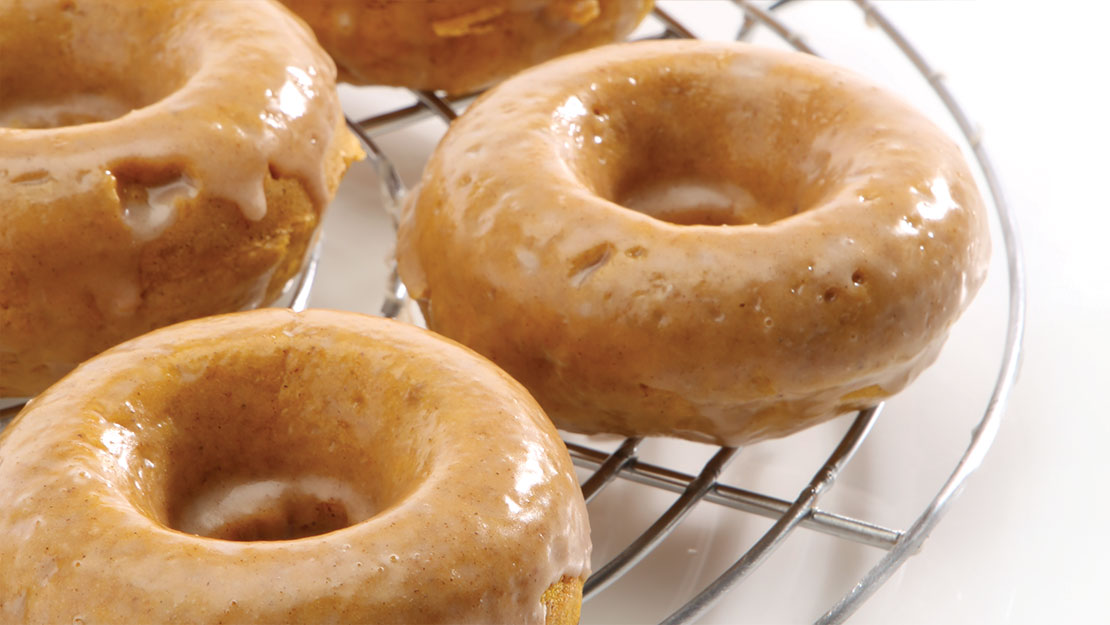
(148,218)
(254,105)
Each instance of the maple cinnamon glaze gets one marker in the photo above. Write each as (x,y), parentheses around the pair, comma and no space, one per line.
(706,240)
(367,471)
(159,161)
(461,45)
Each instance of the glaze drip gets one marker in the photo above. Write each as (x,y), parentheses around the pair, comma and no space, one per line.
(182,160)
(200,123)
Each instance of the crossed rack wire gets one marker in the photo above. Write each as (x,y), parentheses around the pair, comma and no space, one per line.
(623,463)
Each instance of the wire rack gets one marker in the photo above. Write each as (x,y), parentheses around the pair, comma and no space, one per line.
(623,463)
(603,468)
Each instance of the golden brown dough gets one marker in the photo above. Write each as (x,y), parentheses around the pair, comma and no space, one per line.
(370,472)
(159,161)
(461,45)
(706,240)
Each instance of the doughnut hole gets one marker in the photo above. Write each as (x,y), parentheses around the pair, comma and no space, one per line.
(270,446)
(64,63)
(671,145)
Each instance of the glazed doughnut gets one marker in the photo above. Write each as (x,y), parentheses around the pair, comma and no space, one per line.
(461,45)
(159,161)
(706,240)
(274,467)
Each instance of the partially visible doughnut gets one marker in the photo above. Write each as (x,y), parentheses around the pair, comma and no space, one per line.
(273,467)
(159,161)
(461,45)
(706,240)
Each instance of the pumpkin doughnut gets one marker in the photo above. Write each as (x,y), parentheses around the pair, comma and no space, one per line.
(275,467)
(159,161)
(461,45)
(706,240)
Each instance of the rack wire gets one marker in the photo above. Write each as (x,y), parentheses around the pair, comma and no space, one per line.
(624,463)
(801,512)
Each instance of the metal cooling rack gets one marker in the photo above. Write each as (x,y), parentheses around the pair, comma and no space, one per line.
(789,515)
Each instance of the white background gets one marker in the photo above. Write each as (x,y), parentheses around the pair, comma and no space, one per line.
(1025,543)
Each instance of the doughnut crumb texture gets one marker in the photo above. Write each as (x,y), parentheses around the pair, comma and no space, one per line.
(159,162)
(461,45)
(269,466)
(714,241)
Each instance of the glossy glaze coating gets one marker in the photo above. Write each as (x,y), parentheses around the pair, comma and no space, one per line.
(159,161)
(449,495)
(713,241)
(461,45)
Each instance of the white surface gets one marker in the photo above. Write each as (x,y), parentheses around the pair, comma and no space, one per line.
(1024,542)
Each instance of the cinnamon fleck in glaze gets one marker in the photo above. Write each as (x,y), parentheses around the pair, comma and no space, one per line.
(713,241)
(368,471)
(461,45)
(158,161)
